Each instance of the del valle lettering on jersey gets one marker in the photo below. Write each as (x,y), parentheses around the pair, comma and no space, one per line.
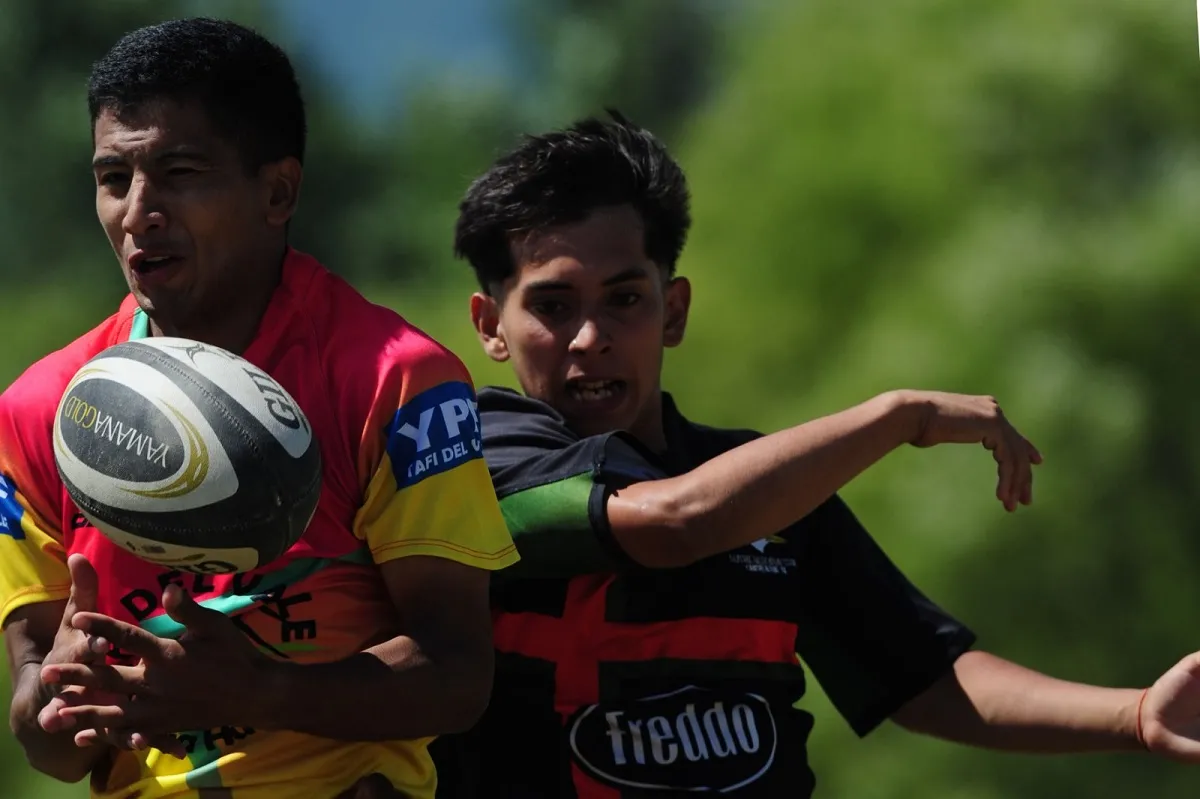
(687,740)
(434,432)
(10,510)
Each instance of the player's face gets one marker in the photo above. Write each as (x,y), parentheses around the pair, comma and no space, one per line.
(198,236)
(584,321)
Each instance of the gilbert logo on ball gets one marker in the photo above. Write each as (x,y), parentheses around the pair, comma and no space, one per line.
(187,455)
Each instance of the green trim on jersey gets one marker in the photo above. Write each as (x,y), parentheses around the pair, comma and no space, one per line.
(552,526)
(141,326)
(229,604)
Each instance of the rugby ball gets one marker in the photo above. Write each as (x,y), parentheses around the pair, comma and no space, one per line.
(187,455)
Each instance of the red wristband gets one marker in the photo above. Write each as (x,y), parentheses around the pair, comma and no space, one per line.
(1140,736)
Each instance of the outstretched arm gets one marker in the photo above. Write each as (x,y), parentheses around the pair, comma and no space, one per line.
(990,702)
(763,486)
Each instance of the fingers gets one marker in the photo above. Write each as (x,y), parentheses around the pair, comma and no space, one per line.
(1015,457)
(1015,461)
(180,606)
(132,741)
(1007,471)
(93,737)
(1035,456)
(79,648)
(200,621)
(127,637)
(121,714)
(49,718)
(107,719)
(85,587)
(1022,477)
(122,680)
(1026,457)
(1034,459)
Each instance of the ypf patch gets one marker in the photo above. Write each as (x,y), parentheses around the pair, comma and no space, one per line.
(11,511)
(434,432)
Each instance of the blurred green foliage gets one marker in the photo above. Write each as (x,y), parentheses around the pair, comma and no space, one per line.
(991,197)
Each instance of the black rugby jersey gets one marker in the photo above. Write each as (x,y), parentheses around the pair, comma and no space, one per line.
(617,681)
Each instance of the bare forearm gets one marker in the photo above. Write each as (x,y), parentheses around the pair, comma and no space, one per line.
(53,754)
(362,698)
(993,703)
(764,486)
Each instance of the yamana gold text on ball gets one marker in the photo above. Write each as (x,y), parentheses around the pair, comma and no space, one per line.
(104,425)
(80,412)
(88,417)
(195,467)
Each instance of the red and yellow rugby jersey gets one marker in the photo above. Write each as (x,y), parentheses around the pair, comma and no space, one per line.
(395,416)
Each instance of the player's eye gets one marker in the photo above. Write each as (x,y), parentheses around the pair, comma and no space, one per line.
(112,179)
(549,308)
(625,299)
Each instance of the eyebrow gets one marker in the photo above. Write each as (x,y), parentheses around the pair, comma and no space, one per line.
(175,153)
(624,276)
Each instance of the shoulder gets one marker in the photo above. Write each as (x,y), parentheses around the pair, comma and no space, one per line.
(526,442)
(363,337)
(371,354)
(517,428)
(507,413)
(36,391)
(28,405)
(395,393)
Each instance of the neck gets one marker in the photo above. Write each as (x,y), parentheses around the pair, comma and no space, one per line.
(234,325)
(649,428)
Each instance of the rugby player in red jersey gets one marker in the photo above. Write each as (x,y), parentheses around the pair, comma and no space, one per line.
(328,670)
(676,579)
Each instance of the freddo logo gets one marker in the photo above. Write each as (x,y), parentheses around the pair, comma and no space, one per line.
(687,740)
(434,432)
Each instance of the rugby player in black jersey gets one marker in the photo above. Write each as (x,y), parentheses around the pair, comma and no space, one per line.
(674,577)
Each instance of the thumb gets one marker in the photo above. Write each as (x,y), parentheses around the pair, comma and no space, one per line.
(198,620)
(85,586)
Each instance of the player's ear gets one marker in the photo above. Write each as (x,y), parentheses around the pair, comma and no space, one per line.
(281,184)
(678,302)
(485,316)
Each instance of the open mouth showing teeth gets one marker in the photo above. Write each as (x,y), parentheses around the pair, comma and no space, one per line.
(148,265)
(594,390)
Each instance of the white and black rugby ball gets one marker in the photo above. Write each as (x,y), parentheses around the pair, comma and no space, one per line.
(187,455)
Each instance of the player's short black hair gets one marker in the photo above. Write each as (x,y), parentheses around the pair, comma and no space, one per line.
(245,83)
(559,178)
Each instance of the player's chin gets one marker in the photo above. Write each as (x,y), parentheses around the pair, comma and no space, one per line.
(591,415)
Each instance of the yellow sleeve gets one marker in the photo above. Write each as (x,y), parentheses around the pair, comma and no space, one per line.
(33,562)
(430,493)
